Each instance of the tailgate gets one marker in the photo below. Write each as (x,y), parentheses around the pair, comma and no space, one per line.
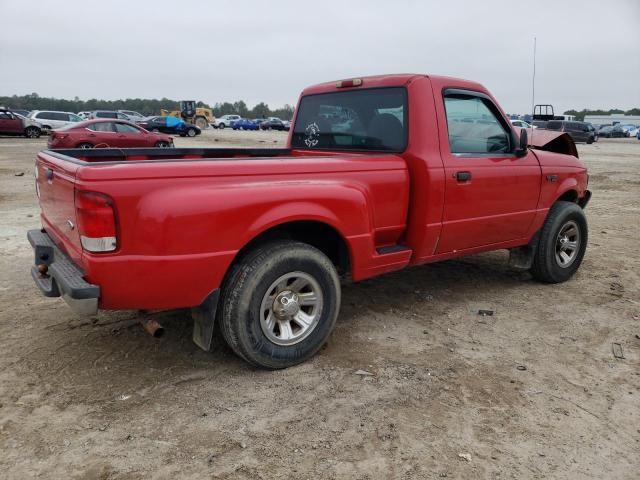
(55,186)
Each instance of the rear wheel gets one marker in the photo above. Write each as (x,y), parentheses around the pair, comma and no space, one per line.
(562,243)
(84,145)
(221,126)
(201,123)
(32,132)
(279,304)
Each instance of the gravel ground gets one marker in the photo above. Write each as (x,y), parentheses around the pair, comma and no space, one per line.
(533,391)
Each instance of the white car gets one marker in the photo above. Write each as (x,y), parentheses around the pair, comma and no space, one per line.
(631,129)
(133,116)
(50,120)
(84,115)
(522,124)
(225,121)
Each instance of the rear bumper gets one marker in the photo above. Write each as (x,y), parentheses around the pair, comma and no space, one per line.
(63,278)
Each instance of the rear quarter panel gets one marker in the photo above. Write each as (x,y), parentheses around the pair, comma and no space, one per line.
(182,223)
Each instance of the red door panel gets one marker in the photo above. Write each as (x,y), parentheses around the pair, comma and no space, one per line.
(496,204)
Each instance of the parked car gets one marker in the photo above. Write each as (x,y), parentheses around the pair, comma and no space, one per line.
(257,239)
(224,121)
(132,115)
(171,125)
(273,123)
(539,123)
(105,133)
(52,119)
(287,124)
(244,124)
(632,130)
(84,115)
(579,131)
(12,123)
(613,131)
(522,124)
(108,114)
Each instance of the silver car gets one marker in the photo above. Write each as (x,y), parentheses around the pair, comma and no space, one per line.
(50,120)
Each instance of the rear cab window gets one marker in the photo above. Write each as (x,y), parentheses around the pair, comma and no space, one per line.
(373,119)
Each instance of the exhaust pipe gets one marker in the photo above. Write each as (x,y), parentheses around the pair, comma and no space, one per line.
(153,327)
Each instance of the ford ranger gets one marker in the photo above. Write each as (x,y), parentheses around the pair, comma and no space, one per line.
(379,174)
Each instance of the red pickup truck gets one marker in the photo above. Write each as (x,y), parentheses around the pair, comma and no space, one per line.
(379,174)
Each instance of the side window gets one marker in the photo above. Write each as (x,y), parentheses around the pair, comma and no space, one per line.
(102,127)
(122,116)
(4,116)
(124,128)
(473,126)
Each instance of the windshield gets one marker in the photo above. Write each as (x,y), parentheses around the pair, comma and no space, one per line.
(374,119)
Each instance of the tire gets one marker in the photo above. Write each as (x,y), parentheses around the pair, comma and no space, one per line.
(590,140)
(254,319)
(221,126)
(191,132)
(201,123)
(84,145)
(163,145)
(566,221)
(32,132)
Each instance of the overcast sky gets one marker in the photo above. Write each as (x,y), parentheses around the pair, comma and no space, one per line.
(588,53)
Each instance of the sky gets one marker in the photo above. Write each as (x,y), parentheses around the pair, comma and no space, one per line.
(587,56)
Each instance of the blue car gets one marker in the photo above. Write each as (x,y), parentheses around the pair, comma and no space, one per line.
(244,124)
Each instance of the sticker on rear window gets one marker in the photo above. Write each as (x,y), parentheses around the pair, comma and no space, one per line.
(312,135)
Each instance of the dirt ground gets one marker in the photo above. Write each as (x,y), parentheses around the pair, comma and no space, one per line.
(533,391)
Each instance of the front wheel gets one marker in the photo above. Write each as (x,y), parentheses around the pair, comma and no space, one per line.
(562,243)
(84,145)
(191,132)
(221,126)
(163,145)
(279,304)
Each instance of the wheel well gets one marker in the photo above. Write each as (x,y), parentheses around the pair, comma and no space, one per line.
(568,196)
(320,235)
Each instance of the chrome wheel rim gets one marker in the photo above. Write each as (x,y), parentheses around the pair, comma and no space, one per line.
(567,244)
(291,308)
(191,133)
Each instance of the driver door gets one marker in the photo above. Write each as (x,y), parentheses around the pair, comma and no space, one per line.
(490,194)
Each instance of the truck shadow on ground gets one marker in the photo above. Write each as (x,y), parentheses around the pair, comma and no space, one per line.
(114,350)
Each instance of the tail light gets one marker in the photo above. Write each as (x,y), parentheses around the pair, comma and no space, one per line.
(96,220)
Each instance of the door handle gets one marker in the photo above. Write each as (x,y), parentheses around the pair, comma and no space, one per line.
(49,174)
(463,176)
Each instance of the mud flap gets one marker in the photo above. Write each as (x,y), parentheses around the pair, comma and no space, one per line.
(204,322)
(521,258)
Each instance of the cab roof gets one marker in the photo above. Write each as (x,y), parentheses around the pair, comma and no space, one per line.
(391,80)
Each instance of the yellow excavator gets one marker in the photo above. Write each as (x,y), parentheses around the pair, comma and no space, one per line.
(199,116)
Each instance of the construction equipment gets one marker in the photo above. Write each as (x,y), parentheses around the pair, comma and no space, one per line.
(199,116)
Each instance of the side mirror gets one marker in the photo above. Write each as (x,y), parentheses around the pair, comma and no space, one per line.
(521,151)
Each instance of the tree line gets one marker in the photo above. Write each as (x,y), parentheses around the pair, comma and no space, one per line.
(144,106)
(614,111)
